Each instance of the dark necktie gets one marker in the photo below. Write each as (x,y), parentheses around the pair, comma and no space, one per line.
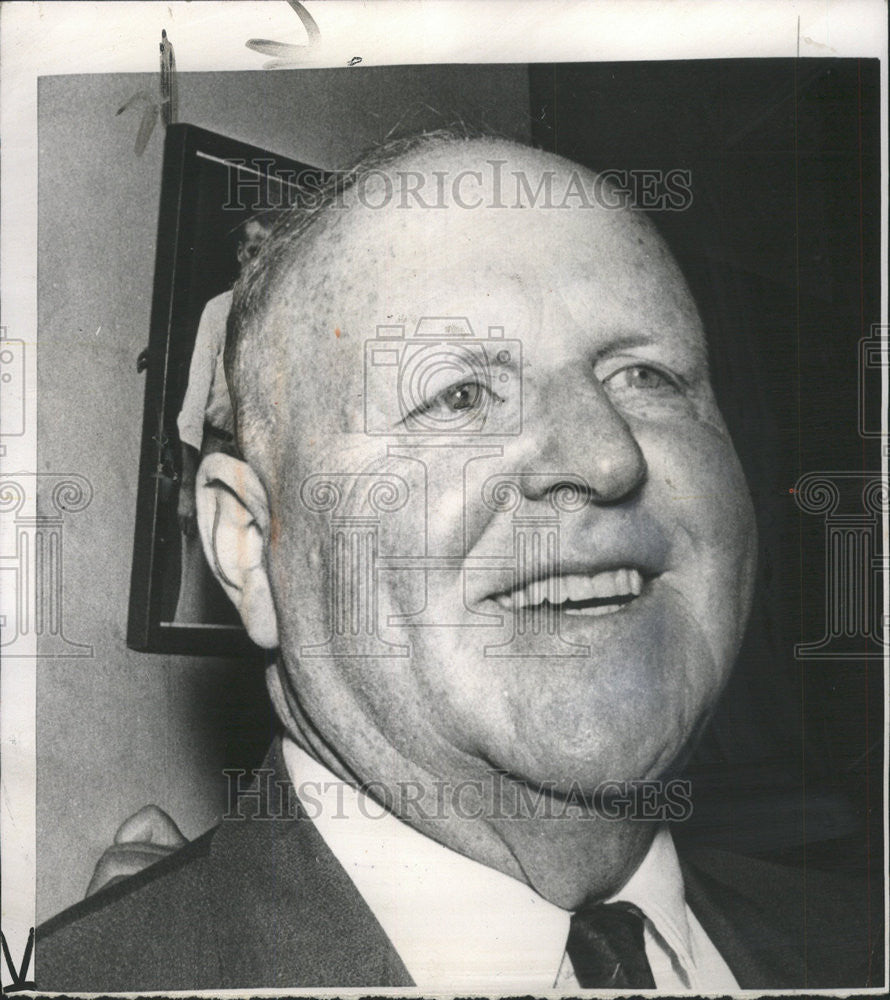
(606,947)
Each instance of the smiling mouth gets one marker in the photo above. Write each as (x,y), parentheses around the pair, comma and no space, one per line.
(592,594)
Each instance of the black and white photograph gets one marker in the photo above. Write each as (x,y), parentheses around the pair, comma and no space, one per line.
(443,480)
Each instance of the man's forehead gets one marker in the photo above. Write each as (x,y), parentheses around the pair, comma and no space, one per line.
(497,264)
(410,269)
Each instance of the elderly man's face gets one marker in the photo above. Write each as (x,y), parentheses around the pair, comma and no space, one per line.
(553,576)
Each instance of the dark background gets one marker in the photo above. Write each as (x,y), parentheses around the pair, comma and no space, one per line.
(781,248)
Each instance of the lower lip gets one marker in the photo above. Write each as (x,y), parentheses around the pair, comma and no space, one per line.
(596,611)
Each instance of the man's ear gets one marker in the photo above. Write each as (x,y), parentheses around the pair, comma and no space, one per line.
(233,518)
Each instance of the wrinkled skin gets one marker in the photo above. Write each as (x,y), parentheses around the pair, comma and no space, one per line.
(613,392)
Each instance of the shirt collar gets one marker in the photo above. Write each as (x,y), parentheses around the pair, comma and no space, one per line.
(455,923)
(657,888)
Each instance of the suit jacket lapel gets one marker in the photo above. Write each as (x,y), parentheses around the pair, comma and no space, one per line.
(287,913)
(760,954)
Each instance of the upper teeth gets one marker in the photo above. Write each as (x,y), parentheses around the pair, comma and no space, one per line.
(624,582)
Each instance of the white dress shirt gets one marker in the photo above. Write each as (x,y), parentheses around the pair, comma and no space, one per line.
(458,925)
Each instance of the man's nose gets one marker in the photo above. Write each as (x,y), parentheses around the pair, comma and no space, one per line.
(572,431)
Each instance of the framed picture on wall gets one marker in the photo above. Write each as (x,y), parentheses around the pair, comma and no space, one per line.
(219,197)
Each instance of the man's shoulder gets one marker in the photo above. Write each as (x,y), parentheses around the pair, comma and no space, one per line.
(826,896)
(257,902)
(152,923)
(810,927)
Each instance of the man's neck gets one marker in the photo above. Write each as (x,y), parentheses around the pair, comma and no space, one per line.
(566,850)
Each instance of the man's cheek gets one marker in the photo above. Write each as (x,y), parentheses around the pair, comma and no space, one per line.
(297,563)
(694,467)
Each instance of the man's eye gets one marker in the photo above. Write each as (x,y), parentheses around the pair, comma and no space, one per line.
(461,397)
(641,377)
(458,406)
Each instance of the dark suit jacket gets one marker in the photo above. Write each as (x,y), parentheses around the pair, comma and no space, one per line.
(262,902)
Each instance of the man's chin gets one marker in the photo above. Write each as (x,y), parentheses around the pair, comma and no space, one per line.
(627,708)
(573,746)
(587,782)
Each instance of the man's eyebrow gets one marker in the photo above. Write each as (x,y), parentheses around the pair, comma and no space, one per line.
(694,346)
